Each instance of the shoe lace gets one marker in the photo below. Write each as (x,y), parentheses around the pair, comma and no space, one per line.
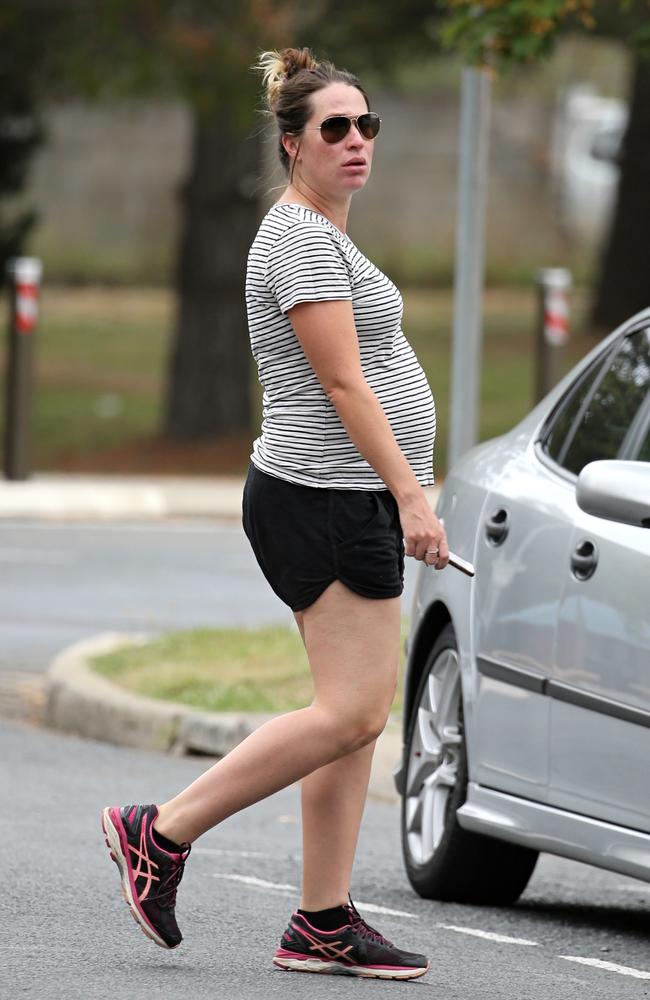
(362,928)
(166,895)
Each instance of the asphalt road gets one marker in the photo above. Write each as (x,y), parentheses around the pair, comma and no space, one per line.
(576,932)
(66,932)
(61,582)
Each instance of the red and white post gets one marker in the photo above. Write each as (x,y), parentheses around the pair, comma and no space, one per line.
(24,274)
(553,285)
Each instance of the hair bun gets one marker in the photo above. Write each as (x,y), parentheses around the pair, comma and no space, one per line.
(278,66)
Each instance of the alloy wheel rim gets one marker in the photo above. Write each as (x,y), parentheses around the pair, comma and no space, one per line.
(433,758)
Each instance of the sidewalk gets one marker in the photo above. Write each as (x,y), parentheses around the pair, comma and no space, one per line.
(75,497)
(52,496)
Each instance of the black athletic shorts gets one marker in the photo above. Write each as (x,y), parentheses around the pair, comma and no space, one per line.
(305,537)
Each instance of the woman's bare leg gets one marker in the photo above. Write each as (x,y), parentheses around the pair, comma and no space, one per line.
(333,797)
(347,638)
(329,797)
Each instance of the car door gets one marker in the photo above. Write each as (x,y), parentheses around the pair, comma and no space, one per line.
(525,534)
(526,529)
(600,685)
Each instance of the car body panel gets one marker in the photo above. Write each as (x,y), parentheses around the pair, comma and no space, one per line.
(514,616)
(599,761)
(537,774)
(545,828)
(461,502)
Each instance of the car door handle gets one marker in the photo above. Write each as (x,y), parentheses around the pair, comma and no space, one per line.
(497,527)
(584,560)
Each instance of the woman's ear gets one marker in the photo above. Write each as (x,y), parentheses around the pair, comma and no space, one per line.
(291,146)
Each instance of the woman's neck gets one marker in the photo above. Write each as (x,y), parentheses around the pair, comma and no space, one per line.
(337,213)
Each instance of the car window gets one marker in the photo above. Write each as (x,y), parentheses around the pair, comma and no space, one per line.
(614,402)
(565,417)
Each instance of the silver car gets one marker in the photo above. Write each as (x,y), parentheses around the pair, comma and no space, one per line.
(527,690)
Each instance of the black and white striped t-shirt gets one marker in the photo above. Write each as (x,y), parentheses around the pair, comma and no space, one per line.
(300,256)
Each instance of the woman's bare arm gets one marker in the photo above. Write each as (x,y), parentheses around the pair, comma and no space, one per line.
(328,337)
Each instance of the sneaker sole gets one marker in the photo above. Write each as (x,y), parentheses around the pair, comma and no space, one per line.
(114,844)
(336,969)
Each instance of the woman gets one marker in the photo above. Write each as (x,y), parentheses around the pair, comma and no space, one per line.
(332,501)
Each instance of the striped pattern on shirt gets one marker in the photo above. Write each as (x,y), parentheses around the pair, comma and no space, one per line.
(300,256)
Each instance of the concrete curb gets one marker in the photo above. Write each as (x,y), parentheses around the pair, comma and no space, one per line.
(81,702)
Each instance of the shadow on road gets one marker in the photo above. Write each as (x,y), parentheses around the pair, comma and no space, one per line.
(631,918)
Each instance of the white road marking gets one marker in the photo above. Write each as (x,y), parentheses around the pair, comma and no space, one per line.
(633,888)
(261,883)
(623,970)
(375,908)
(225,850)
(488,935)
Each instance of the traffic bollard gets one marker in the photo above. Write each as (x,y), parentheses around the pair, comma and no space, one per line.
(553,284)
(24,281)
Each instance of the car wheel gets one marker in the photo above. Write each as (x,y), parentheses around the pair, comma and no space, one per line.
(442,860)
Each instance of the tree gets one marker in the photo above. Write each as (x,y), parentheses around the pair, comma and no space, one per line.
(622,288)
(200,50)
(207,389)
(205,49)
(502,33)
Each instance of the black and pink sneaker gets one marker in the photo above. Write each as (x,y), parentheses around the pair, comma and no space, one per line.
(150,875)
(355,949)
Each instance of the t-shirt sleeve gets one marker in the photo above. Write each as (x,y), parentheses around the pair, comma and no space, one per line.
(307,265)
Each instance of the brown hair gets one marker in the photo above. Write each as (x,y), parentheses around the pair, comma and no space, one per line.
(290,77)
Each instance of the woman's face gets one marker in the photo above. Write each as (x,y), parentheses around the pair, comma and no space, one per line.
(332,169)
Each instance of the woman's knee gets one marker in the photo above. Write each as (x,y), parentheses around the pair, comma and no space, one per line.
(369,730)
(354,730)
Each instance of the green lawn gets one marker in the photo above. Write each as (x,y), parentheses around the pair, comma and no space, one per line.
(101,361)
(227,670)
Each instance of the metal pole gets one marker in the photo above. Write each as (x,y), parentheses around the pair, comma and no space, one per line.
(24,278)
(468,280)
(553,284)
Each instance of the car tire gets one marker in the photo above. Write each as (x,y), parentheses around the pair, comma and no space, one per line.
(442,860)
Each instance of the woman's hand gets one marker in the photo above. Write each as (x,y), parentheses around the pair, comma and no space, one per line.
(424,534)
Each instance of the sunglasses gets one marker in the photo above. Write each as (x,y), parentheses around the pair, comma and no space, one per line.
(337,127)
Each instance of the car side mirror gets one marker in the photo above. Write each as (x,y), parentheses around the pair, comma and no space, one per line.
(618,491)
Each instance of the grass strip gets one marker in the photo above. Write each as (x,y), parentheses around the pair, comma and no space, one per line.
(219,669)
